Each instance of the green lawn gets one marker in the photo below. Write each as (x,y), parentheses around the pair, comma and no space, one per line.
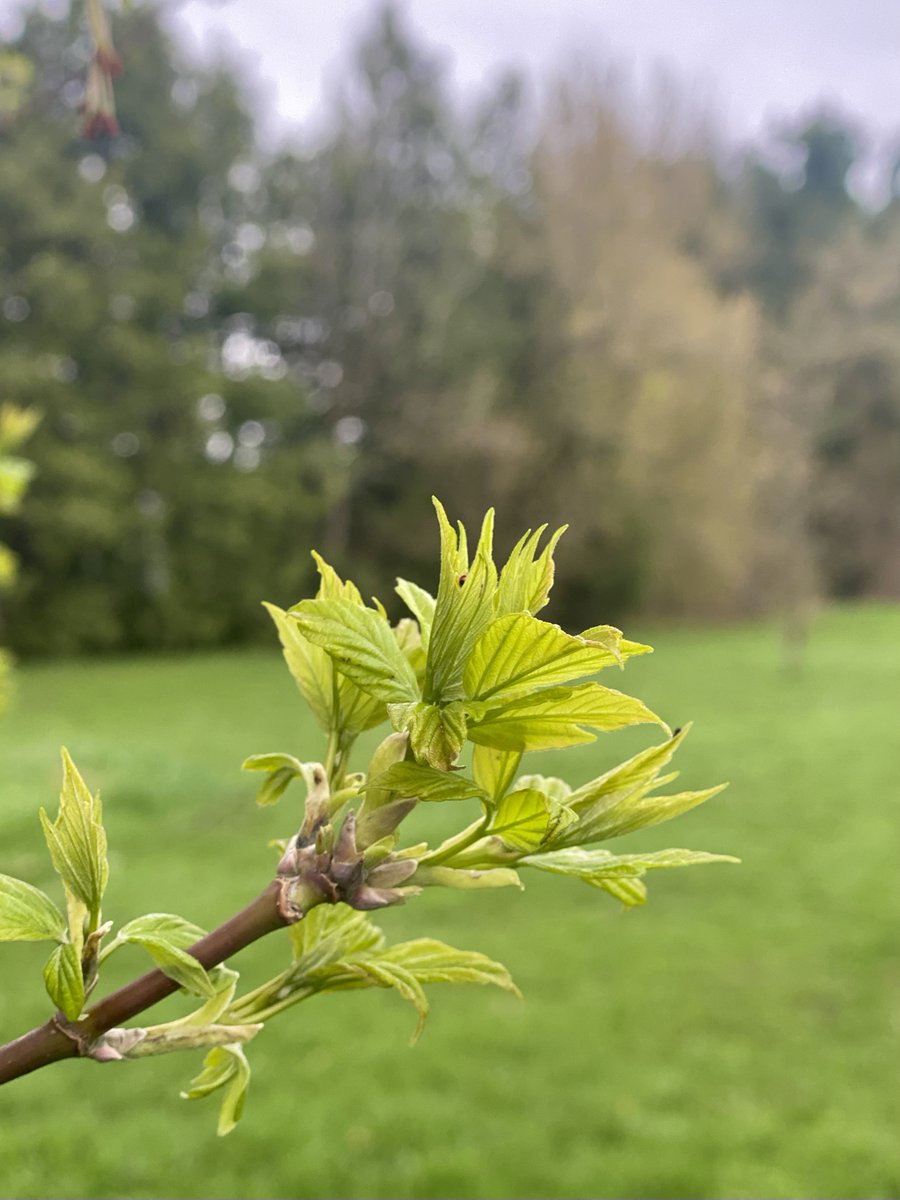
(738,1037)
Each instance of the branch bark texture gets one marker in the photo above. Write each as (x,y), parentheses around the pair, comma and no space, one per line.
(59,1038)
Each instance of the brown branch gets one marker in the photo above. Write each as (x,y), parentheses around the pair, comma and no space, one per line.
(59,1038)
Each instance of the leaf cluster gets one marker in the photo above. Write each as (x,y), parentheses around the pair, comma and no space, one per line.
(470,683)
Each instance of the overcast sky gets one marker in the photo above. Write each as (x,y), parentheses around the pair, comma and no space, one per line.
(755,59)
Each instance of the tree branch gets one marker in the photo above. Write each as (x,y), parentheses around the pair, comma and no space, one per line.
(59,1039)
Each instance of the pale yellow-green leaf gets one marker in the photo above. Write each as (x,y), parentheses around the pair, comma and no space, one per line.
(407,779)
(331,932)
(557,717)
(282,770)
(421,604)
(466,879)
(517,654)
(27,915)
(309,665)
(77,841)
(361,645)
(526,580)
(165,937)
(224,1067)
(463,608)
(617,873)
(527,818)
(437,732)
(494,770)
(63,980)
(624,799)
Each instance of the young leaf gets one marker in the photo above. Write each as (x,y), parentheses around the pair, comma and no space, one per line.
(421,604)
(466,879)
(361,645)
(331,586)
(518,654)
(525,581)
(526,819)
(225,982)
(27,915)
(437,732)
(621,800)
(494,770)
(464,607)
(410,965)
(379,814)
(408,638)
(432,961)
(392,975)
(558,717)
(63,980)
(77,841)
(550,785)
(615,873)
(224,1067)
(282,770)
(272,762)
(309,665)
(165,936)
(329,933)
(406,779)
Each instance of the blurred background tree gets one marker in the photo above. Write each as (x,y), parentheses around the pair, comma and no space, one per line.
(584,309)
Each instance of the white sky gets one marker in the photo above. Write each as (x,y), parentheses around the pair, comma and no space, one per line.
(752,61)
(755,60)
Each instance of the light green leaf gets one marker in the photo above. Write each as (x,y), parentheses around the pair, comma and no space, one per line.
(187,972)
(614,872)
(388,974)
(406,779)
(224,1067)
(165,937)
(494,770)
(622,800)
(331,586)
(410,965)
(225,982)
(63,980)
(408,638)
(550,785)
(557,717)
(361,645)
(437,733)
(329,933)
(421,604)
(309,665)
(526,819)
(282,770)
(77,841)
(518,653)
(378,815)
(464,607)
(27,915)
(272,762)
(432,961)
(525,581)
(466,880)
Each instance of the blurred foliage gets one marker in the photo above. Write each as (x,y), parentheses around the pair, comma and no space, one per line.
(581,310)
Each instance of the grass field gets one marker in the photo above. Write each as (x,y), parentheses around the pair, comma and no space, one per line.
(738,1037)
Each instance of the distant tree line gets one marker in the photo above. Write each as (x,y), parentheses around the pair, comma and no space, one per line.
(239,353)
